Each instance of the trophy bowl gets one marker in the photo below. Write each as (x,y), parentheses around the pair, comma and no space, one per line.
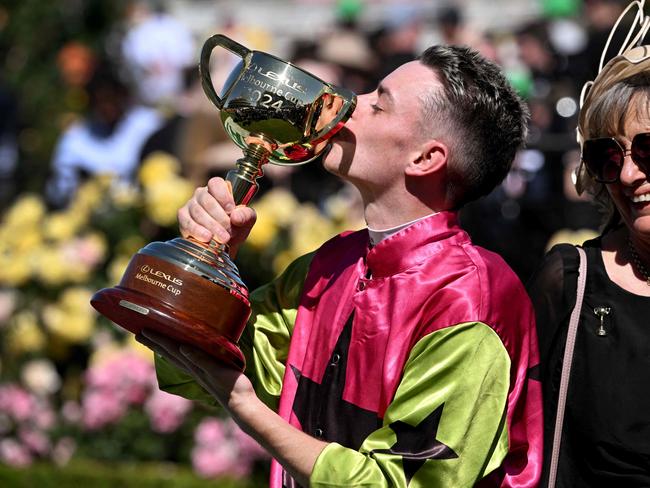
(189,290)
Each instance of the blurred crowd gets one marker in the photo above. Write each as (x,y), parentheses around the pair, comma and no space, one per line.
(138,94)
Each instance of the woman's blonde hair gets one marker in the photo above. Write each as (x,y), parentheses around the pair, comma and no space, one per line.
(605,116)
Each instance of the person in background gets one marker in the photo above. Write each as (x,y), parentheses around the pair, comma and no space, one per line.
(107,140)
(401,354)
(157,49)
(606,429)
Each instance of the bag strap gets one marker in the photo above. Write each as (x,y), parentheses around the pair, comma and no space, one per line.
(566,365)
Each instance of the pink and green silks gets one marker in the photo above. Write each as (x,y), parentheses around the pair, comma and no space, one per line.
(415,359)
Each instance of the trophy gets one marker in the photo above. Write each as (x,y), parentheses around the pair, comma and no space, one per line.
(189,290)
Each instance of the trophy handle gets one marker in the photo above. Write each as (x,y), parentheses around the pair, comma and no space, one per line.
(204,65)
(349,104)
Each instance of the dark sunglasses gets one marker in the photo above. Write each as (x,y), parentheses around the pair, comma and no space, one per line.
(604,156)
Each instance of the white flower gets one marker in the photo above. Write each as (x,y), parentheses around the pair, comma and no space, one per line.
(40,376)
(7,305)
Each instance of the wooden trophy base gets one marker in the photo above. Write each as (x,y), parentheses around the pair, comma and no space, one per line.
(134,311)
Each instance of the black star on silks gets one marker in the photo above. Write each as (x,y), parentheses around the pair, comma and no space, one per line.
(418,443)
(320,407)
(534,373)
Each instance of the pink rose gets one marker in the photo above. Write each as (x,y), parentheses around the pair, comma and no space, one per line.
(101,408)
(36,441)
(166,412)
(63,451)
(210,432)
(214,461)
(247,445)
(14,454)
(16,402)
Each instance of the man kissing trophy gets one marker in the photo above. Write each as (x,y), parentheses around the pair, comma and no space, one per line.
(189,290)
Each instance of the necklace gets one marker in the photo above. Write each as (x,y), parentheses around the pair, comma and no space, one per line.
(638,264)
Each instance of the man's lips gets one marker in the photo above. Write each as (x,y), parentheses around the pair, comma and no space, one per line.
(344,135)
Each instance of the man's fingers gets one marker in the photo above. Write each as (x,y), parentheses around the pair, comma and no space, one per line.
(211,212)
(197,356)
(208,215)
(220,190)
(179,360)
(189,228)
(161,339)
(219,377)
(161,351)
(243,216)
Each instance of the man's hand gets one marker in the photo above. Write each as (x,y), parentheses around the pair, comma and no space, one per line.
(295,450)
(230,387)
(211,212)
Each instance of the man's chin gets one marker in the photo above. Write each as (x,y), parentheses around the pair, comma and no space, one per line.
(332,160)
(339,157)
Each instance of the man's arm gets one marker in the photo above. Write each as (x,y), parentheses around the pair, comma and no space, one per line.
(445,427)
(265,343)
(295,450)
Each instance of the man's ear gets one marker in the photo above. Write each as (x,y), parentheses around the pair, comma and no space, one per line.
(431,157)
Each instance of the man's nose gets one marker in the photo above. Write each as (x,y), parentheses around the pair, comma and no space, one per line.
(363,105)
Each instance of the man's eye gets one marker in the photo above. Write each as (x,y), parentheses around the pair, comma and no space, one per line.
(376,108)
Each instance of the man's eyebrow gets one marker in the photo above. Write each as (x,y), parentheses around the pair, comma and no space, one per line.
(382,90)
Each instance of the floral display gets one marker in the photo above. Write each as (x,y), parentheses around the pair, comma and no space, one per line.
(221,447)
(75,386)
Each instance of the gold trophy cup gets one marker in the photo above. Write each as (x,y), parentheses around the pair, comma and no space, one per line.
(190,290)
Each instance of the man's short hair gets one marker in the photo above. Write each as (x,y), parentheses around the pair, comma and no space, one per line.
(483,120)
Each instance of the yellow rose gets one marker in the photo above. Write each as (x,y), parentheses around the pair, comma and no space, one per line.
(72,318)
(117,267)
(28,210)
(282,260)
(159,166)
(130,245)
(125,196)
(106,352)
(90,195)
(141,350)
(164,198)
(77,298)
(60,226)
(79,274)
(15,269)
(50,266)
(24,333)
(310,229)
(345,213)
(26,240)
(262,233)
(280,205)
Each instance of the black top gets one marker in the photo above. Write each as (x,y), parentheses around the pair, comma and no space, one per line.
(606,436)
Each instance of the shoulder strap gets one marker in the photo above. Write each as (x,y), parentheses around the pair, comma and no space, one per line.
(566,365)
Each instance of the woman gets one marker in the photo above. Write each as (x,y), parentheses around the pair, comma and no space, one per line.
(606,430)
